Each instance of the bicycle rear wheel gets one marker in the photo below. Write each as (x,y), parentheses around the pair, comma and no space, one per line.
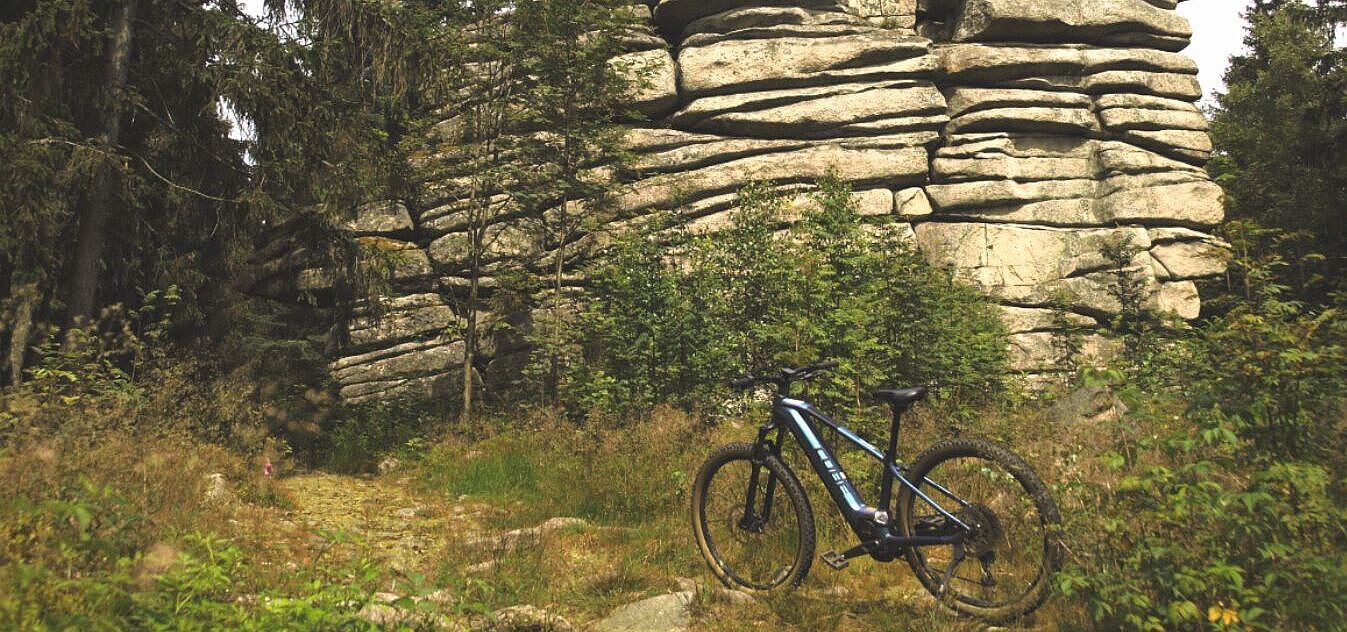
(1014,550)
(752,520)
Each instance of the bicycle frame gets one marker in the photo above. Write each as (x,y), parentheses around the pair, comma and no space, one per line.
(877,540)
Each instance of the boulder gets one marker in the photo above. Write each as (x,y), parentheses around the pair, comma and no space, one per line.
(996,256)
(780,31)
(642,140)
(1001,166)
(1118,158)
(1179,298)
(755,22)
(901,230)
(911,203)
(672,16)
(815,112)
(1194,203)
(1022,320)
(636,40)
(858,165)
(969,64)
(416,359)
(453,216)
(1170,85)
(797,62)
(1048,351)
(890,14)
(1033,134)
(1070,212)
(393,259)
(1187,145)
(439,386)
(1107,22)
(655,81)
(1181,260)
(504,239)
(962,100)
(401,318)
(874,202)
(988,193)
(1143,102)
(1016,145)
(699,155)
(662,613)
(1152,120)
(1086,404)
(1040,120)
(1172,234)
(380,218)
(869,203)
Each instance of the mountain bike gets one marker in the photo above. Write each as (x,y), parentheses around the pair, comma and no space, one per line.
(975,523)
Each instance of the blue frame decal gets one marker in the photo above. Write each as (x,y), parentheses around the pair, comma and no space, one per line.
(832,474)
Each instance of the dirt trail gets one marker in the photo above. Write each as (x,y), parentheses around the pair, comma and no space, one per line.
(402,529)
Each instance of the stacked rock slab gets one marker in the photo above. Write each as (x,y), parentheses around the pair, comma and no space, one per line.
(1024,143)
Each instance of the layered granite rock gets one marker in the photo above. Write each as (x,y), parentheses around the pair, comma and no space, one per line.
(1040,148)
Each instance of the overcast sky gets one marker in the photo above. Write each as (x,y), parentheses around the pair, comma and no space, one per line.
(1218,32)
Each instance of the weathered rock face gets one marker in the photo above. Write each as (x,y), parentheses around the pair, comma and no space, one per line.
(1017,141)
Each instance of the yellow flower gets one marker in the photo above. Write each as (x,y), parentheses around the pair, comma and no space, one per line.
(1224,615)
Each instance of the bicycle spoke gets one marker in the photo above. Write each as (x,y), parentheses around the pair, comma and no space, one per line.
(1007,547)
(755,543)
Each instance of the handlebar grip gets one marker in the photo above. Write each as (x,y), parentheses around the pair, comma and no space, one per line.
(743,383)
(819,366)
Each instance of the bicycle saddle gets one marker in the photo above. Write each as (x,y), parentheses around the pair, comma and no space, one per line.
(901,398)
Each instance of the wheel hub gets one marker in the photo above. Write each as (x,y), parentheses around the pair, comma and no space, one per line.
(987,532)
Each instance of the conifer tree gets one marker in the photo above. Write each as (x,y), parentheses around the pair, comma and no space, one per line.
(1280,131)
(121,176)
(576,89)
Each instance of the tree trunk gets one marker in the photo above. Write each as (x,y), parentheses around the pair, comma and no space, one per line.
(554,362)
(470,331)
(27,298)
(93,221)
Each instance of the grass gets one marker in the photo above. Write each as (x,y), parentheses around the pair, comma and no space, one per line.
(502,467)
(318,550)
(631,484)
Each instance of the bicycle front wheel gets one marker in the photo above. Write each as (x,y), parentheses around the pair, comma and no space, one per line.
(1014,548)
(752,520)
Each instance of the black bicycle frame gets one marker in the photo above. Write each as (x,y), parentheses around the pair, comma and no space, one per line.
(795,415)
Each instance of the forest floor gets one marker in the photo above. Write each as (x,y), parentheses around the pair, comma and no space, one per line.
(494,558)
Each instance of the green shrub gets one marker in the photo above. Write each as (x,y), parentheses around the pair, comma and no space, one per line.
(119,535)
(1227,510)
(673,324)
(367,432)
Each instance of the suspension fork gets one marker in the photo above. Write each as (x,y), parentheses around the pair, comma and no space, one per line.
(762,447)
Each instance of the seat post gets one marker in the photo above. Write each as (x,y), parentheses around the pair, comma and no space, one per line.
(890,457)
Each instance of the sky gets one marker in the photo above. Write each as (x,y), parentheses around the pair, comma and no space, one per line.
(1218,33)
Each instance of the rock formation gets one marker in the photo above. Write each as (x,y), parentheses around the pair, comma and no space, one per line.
(1022,141)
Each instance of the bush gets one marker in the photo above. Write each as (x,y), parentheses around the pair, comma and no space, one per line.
(1227,509)
(674,327)
(370,431)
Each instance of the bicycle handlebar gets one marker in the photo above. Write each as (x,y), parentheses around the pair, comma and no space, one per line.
(785,376)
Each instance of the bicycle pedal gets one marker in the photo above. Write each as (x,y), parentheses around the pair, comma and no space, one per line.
(835,560)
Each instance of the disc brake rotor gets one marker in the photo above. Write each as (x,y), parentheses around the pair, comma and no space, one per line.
(987,532)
